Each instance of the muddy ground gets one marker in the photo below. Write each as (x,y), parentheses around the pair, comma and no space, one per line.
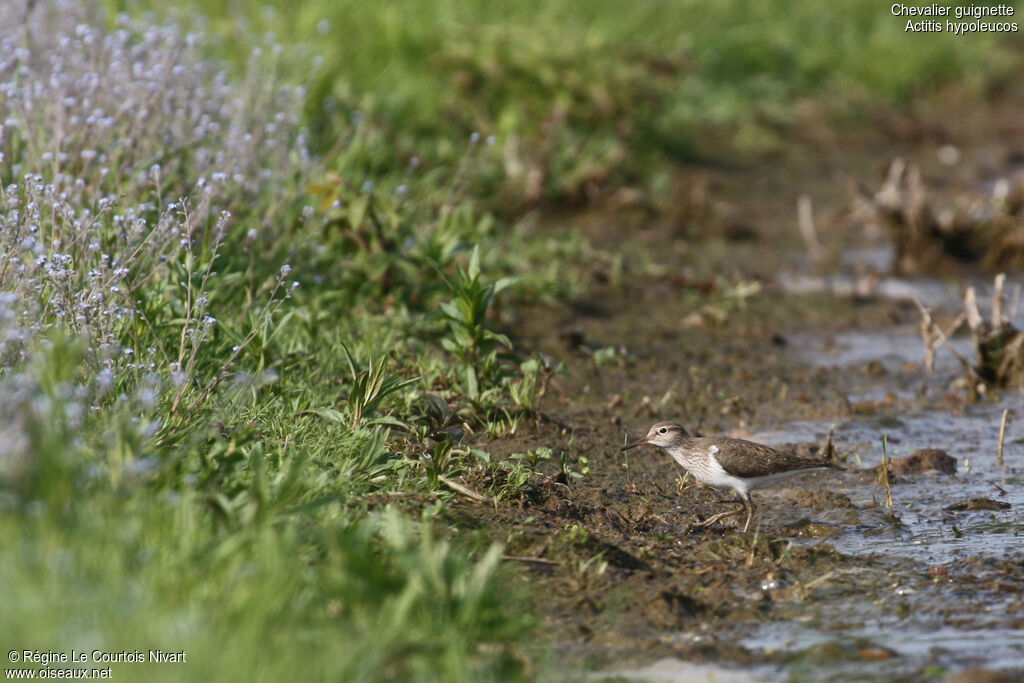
(832,584)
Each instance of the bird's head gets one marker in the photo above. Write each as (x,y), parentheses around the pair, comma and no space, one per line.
(662,435)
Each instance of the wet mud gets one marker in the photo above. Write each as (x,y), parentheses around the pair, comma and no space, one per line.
(833,583)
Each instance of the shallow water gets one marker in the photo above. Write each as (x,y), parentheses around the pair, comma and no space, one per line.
(931,592)
(892,349)
(927,532)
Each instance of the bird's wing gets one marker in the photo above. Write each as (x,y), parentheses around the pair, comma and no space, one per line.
(742,458)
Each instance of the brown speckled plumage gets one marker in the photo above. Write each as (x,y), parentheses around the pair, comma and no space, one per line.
(747,459)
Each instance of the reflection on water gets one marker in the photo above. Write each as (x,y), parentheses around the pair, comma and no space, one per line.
(860,348)
(670,670)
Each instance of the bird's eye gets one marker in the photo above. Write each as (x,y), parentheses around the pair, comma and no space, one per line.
(663,430)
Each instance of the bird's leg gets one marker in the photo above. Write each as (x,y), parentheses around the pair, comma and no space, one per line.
(721,515)
(682,487)
(749,505)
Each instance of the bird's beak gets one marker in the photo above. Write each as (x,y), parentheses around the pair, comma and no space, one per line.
(634,444)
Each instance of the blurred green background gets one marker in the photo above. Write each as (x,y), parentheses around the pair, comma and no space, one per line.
(599,93)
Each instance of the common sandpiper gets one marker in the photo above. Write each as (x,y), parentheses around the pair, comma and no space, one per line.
(730,464)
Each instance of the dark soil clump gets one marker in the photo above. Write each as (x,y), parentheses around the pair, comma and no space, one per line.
(924,461)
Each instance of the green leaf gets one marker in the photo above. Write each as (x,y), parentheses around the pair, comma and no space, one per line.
(505,283)
(472,386)
(500,338)
(439,406)
(530,366)
(451,311)
(386,420)
(348,357)
(329,414)
(281,324)
(474,264)
(357,211)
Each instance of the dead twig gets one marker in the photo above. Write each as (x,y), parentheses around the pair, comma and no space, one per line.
(805,223)
(935,338)
(1002,435)
(828,451)
(467,492)
(883,473)
(529,560)
(974,319)
(998,297)
(820,580)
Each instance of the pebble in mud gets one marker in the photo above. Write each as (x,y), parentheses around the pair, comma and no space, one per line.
(977,504)
(573,338)
(805,528)
(835,651)
(983,676)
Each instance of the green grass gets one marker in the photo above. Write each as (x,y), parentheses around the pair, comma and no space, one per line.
(197,455)
(283,599)
(256,546)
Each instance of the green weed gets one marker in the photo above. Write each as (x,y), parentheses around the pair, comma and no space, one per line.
(471,340)
(371,386)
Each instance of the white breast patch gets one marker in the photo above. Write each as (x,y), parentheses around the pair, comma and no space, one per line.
(713,474)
